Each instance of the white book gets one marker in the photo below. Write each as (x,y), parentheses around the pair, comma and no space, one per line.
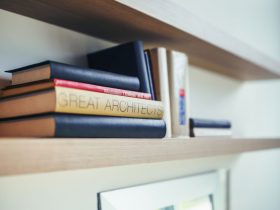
(178,74)
(212,132)
(158,59)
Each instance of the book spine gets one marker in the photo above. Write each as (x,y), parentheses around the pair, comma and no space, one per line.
(142,68)
(93,76)
(178,83)
(208,132)
(69,100)
(160,73)
(101,89)
(205,123)
(148,66)
(85,126)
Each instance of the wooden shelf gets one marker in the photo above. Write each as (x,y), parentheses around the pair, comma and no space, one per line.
(158,23)
(21,156)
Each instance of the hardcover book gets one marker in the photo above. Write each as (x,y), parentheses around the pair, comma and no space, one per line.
(210,128)
(210,132)
(82,126)
(158,60)
(50,70)
(179,92)
(150,77)
(208,123)
(127,59)
(47,84)
(68,100)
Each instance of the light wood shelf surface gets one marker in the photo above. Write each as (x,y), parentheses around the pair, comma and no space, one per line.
(158,23)
(22,156)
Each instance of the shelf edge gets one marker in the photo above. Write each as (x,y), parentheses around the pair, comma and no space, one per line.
(46,155)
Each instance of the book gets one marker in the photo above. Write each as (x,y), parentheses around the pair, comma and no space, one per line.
(158,60)
(179,92)
(47,84)
(149,71)
(51,69)
(82,126)
(210,132)
(69,100)
(208,123)
(127,59)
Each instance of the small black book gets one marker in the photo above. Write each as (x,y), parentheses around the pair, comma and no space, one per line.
(207,123)
(128,59)
(150,75)
(82,126)
(51,70)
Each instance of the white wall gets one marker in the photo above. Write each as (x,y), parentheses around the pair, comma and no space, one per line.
(25,41)
(255,183)
(252,107)
(77,190)
(255,22)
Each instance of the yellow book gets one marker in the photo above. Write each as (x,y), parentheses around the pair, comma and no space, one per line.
(68,100)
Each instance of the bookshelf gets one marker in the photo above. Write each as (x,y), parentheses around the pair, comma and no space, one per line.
(24,156)
(159,23)
(209,48)
(120,21)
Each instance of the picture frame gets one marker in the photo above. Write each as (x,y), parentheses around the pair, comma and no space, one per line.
(204,189)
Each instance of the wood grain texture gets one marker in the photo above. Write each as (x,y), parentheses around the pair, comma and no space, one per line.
(158,23)
(21,156)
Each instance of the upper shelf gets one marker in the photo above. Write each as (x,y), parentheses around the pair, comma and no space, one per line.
(21,156)
(158,23)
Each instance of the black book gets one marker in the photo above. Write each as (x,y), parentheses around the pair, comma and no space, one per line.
(127,59)
(207,123)
(51,70)
(150,77)
(82,126)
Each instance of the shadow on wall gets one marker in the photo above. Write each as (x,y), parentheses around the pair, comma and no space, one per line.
(43,42)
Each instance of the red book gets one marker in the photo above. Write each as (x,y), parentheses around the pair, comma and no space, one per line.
(46,84)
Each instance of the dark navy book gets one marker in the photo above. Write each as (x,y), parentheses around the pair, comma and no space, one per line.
(54,70)
(128,59)
(150,77)
(207,123)
(82,126)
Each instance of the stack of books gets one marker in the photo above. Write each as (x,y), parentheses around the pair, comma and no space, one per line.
(126,92)
(52,99)
(210,128)
(162,72)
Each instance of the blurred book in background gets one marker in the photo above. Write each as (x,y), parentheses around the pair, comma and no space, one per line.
(210,128)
